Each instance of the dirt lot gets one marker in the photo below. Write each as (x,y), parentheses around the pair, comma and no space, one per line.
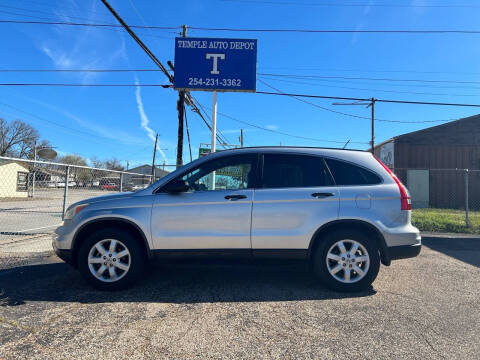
(422,308)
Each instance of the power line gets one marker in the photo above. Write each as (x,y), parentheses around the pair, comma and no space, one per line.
(352,115)
(367,99)
(284,133)
(80,70)
(336,31)
(310,68)
(220,137)
(271,75)
(366,78)
(284,68)
(82,133)
(70,23)
(44,12)
(318,31)
(367,89)
(336,4)
(257,92)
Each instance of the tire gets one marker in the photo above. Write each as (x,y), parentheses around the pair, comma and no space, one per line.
(127,260)
(339,273)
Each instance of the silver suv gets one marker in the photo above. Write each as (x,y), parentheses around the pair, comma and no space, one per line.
(342,210)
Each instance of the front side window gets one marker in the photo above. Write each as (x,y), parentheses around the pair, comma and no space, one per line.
(290,170)
(349,174)
(230,173)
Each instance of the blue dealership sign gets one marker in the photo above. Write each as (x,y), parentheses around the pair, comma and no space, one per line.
(215,64)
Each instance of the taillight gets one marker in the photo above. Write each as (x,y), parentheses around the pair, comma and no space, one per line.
(405,201)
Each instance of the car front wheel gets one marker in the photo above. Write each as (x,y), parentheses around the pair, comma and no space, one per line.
(347,260)
(110,259)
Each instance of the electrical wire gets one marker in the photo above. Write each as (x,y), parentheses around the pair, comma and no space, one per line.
(257,92)
(366,78)
(220,137)
(82,134)
(318,31)
(270,75)
(339,4)
(286,134)
(352,115)
(70,23)
(334,31)
(367,89)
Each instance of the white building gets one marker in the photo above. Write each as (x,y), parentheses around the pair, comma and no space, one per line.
(13,179)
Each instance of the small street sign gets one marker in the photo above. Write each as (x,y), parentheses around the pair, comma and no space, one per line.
(203,152)
(215,64)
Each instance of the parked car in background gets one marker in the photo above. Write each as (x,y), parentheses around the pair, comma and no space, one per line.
(109,186)
(341,210)
(62,184)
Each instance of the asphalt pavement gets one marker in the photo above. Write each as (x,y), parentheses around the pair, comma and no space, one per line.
(422,308)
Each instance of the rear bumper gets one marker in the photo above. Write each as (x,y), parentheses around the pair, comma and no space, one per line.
(404,251)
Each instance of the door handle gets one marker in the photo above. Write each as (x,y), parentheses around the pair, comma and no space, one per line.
(322,195)
(235,197)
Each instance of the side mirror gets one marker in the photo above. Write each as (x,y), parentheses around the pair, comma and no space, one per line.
(177,186)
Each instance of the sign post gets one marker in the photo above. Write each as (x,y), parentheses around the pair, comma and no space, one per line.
(214,121)
(215,64)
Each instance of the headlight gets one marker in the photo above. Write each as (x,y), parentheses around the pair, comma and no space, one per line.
(72,211)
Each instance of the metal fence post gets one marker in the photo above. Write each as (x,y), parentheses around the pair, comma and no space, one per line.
(466,198)
(65,191)
(121,182)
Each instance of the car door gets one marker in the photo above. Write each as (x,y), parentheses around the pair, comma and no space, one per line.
(296,195)
(215,213)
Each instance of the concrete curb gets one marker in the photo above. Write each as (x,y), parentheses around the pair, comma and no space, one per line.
(449,235)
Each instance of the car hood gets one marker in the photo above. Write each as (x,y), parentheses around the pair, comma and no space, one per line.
(104,198)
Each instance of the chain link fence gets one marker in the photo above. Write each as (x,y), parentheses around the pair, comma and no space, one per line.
(444,199)
(34,195)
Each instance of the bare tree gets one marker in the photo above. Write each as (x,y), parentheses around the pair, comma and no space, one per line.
(114,164)
(73,160)
(17,138)
(97,163)
(80,175)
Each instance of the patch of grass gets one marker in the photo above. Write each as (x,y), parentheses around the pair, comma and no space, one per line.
(446,220)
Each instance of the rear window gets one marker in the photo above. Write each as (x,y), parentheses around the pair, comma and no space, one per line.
(288,170)
(349,174)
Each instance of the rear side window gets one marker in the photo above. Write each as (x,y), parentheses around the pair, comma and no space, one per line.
(288,170)
(349,174)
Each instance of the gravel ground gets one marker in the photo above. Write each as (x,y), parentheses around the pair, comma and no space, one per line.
(427,307)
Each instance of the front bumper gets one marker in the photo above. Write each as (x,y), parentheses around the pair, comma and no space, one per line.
(64,254)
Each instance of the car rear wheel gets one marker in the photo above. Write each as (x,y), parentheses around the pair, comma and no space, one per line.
(110,260)
(347,261)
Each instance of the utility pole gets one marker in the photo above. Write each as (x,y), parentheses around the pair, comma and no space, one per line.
(153,161)
(372,142)
(34,164)
(372,105)
(241,138)
(181,110)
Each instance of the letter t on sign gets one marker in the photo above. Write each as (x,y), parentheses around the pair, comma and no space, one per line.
(215,58)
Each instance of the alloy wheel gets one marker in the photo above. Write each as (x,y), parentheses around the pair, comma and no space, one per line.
(348,261)
(109,260)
